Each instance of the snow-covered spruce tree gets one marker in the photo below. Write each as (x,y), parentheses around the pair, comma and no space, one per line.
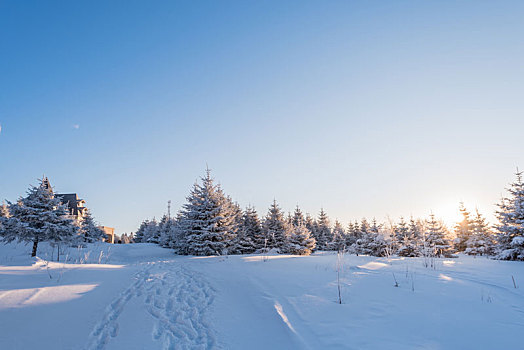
(416,231)
(298,217)
(4,218)
(252,227)
(324,235)
(361,244)
(153,232)
(300,240)
(371,241)
(147,230)
(510,229)
(406,239)
(481,240)
(436,238)
(339,238)
(125,238)
(353,234)
(378,244)
(139,234)
(179,231)
(388,234)
(40,217)
(275,229)
(166,231)
(463,230)
(209,220)
(250,237)
(312,226)
(400,234)
(62,230)
(4,210)
(289,219)
(89,230)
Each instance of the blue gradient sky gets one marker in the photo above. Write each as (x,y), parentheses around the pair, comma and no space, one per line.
(365,108)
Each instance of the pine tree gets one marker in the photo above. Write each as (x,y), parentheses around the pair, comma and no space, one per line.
(147,231)
(436,241)
(416,232)
(4,219)
(511,222)
(253,228)
(125,238)
(250,238)
(481,240)
(324,235)
(275,228)
(181,227)
(406,238)
(153,232)
(89,231)
(4,211)
(352,236)
(371,242)
(463,230)
(376,239)
(298,217)
(138,237)
(401,237)
(40,217)
(390,239)
(209,219)
(62,229)
(300,240)
(362,231)
(312,226)
(339,238)
(165,231)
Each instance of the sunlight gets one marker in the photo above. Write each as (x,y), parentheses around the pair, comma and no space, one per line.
(373,265)
(269,257)
(445,278)
(448,211)
(281,313)
(17,298)
(23,270)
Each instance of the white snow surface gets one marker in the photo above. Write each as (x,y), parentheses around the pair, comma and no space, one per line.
(140,296)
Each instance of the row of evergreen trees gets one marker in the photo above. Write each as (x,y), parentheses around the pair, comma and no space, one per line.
(41,217)
(211,223)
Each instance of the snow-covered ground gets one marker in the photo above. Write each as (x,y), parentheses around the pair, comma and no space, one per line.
(140,296)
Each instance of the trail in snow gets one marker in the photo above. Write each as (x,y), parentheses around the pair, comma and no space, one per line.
(176,297)
(107,328)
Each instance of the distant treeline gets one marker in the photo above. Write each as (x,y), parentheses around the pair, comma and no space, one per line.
(211,223)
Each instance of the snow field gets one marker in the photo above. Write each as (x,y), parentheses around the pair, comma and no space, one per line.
(143,297)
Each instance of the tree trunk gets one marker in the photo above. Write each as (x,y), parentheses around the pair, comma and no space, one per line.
(35,246)
(58,255)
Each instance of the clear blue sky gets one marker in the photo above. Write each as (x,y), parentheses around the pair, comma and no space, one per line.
(368,108)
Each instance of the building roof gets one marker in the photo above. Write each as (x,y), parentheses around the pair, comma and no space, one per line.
(71,200)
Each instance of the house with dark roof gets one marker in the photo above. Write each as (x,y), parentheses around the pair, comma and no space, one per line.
(77,208)
(75,205)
